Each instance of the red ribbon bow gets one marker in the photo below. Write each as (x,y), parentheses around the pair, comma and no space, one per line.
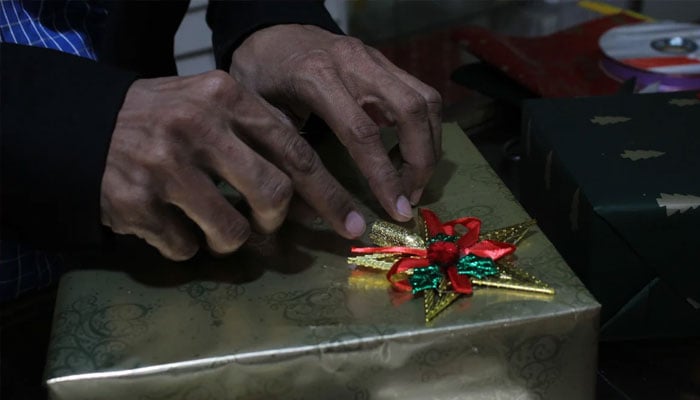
(442,253)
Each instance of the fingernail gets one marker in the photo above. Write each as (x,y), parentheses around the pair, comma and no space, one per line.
(404,207)
(416,195)
(354,223)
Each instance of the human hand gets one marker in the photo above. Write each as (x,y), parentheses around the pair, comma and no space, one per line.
(355,89)
(173,136)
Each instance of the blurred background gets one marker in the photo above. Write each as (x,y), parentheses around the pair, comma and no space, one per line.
(378,22)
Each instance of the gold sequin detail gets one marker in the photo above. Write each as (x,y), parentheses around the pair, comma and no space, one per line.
(385,234)
(511,234)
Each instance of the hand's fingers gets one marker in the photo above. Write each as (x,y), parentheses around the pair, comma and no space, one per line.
(284,146)
(434,102)
(315,184)
(266,188)
(134,212)
(216,149)
(327,96)
(411,113)
(432,98)
(170,234)
(170,134)
(197,196)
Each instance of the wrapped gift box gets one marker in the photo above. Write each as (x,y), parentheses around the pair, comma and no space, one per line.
(283,320)
(615,183)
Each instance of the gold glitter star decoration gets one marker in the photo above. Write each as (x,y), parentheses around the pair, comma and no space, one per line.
(443,264)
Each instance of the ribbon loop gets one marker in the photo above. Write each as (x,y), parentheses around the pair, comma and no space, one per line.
(410,251)
(460,283)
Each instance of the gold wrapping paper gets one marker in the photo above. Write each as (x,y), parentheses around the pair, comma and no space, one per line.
(281,319)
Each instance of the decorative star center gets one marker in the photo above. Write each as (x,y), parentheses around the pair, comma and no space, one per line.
(443,253)
(444,265)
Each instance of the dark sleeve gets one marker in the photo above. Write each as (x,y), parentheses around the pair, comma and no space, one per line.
(57,116)
(232,21)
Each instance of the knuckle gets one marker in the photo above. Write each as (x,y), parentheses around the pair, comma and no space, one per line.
(382,174)
(317,67)
(212,208)
(318,60)
(374,52)
(433,97)
(363,131)
(317,72)
(299,154)
(267,227)
(135,197)
(337,198)
(161,157)
(350,46)
(179,116)
(414,105)
(421,162)
(183,251)
(136,209)
(122,218)
(426,165)
(277,191)
(217,84)
(234,234)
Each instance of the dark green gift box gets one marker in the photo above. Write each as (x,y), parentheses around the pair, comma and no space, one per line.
(615,184)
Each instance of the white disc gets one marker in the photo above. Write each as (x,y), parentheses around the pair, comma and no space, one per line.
(661,47)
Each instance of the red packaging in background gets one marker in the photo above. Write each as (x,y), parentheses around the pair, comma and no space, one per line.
(564,64)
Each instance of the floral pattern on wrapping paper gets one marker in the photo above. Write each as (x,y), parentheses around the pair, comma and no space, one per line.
(320,306)
(88,336)
(213,297)
(537,361)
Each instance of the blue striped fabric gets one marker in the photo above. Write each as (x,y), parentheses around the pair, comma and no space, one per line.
(24,269)
(69,26)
